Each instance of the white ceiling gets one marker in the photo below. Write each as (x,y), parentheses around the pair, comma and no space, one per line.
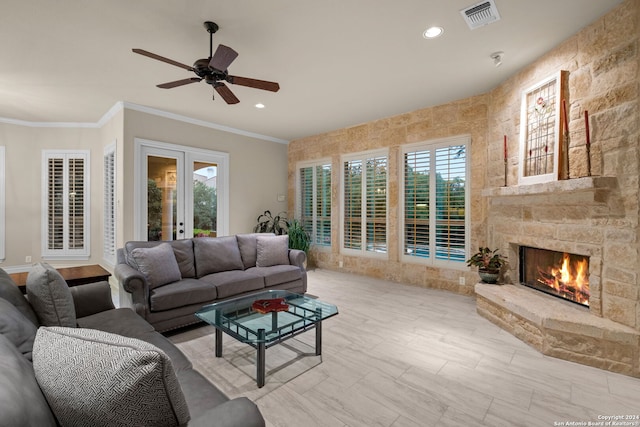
(339,62)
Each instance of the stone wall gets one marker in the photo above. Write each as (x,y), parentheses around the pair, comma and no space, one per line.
(465,117)
(591,216)
(596,216)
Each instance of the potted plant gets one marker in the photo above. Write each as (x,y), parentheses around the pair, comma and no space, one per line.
(268,223)
(489,263)
(298,236)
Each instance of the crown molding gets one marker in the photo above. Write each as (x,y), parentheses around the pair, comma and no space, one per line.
(121,105)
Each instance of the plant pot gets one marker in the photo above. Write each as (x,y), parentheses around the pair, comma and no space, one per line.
(489,276)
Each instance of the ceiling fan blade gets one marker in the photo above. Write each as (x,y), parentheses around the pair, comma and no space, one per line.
(254,83)
(162,58)
(223,57)
(177,83)
(226,94)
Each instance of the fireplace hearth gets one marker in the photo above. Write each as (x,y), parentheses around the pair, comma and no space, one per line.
(560,274)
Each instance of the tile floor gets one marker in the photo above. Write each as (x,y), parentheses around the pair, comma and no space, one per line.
(404,356)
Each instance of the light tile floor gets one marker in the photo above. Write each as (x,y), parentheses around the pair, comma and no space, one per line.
(404,356)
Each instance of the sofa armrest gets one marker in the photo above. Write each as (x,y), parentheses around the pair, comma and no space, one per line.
(297,258)
(239,412)
(133,282)
(92,298)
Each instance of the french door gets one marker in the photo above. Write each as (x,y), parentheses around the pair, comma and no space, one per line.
(182,192)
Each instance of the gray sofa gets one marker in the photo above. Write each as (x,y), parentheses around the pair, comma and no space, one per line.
(167,286)
(25,394)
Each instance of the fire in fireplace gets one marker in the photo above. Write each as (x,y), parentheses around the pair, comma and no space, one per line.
(557,273)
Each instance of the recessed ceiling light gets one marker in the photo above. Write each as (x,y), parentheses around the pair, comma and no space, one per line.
(260,105)
(432,32)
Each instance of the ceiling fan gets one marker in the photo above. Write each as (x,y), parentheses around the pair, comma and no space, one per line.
(213,70)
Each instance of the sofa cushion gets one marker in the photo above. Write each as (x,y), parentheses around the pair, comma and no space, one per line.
(248,245)
(17,328)
(183,250)
(181,293)
(158,264)
(234,282)
(215,254)
(10,292)
(125,322)
(277,274)
(272,250)
(50,296)
(21,400)
(105,379)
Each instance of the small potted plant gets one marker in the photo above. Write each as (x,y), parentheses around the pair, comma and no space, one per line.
(489,263)
(298,236)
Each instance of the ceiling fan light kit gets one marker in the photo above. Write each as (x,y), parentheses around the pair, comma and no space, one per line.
(213,70)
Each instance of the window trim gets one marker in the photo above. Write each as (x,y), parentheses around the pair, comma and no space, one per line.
(433,145)
(298,193)
(363,156)
(109,207)
(66,253)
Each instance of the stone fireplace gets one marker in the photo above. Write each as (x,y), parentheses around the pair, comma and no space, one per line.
(578,221)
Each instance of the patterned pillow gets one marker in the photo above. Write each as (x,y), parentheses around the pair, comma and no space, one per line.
(158,264)
(50,296)
(95,378)
(272,250)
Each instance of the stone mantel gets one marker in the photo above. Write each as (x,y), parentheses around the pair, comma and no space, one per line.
(584,184)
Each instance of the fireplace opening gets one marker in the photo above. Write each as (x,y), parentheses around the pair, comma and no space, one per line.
(559,274)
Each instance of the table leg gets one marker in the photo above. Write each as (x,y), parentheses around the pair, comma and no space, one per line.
(218,343)
(319,338)
(260,369)
(319,332)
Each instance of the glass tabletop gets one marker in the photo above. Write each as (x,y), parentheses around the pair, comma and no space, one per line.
(238,318)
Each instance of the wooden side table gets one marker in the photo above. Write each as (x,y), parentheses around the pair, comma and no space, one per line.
(74,276)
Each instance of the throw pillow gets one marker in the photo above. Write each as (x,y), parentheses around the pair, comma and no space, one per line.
(272,250)
(215,254)
(50,296)
(104,379)
(158,264)
(17,328)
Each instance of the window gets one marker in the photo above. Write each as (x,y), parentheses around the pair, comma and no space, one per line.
(314,201)
(66,204)
(435,202)
(364,215)
(109,246)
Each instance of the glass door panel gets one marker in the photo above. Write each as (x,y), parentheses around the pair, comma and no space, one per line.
(164,218)
(205,199)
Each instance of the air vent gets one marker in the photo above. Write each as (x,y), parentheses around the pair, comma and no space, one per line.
(480,14)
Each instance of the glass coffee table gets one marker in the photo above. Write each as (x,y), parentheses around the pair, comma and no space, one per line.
(238,318)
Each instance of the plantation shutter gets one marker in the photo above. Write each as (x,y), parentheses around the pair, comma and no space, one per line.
(66,204)
(376,206)
(55,201)
(365,202)
(450,206)
(435,197)
(109,247)
(306,199)
(417,171)
(323,205)
(352,233)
